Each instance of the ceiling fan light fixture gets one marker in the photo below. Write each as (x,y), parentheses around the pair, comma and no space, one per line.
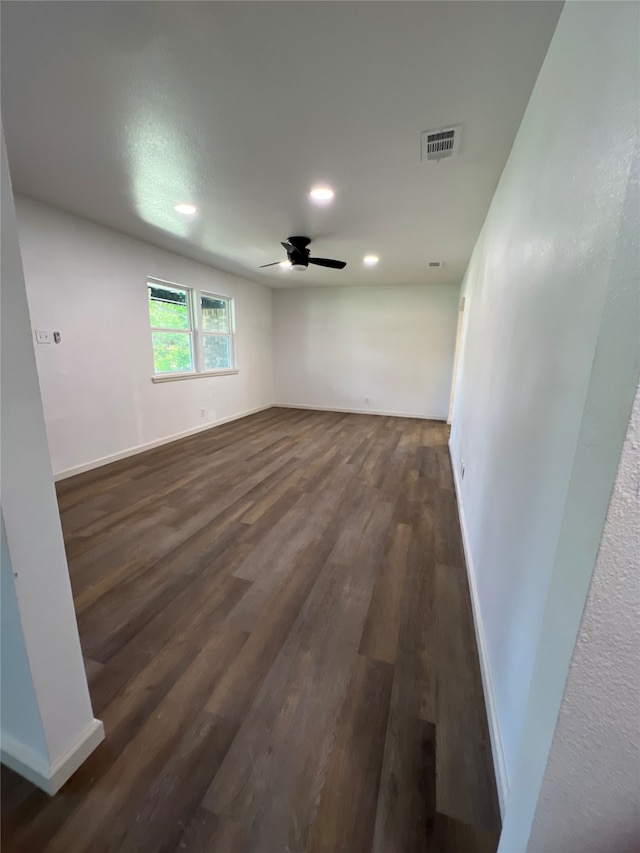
(286,265)
(299,267)
(322,194)
(185,208)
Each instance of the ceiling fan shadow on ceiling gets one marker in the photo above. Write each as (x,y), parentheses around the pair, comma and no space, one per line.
(299,256)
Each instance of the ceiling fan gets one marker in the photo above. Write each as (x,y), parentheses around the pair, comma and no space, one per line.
(298,255)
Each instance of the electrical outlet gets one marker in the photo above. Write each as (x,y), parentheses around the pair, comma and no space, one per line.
(43,337)
(462,469)
(366,399)
(202,412)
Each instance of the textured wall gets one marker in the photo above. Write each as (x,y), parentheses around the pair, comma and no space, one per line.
(334,346)
(590,797)
(534,421)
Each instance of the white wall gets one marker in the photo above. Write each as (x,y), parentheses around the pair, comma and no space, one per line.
(547,373)
(47,724)
(90,283)
(19,713)
(335,346)
(590,796)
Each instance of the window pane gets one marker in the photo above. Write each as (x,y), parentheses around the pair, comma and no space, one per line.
(217,352)
(215,314)
(172,352)
(168,308)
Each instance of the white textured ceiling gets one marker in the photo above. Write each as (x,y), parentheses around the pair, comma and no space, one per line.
(117,111)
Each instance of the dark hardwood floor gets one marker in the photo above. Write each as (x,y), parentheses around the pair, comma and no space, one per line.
(278,637)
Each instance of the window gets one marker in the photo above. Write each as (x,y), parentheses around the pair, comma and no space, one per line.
(217,346)
(191,332)
(171,329)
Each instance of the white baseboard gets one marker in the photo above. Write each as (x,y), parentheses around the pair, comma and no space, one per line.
(50,777)
(314,408)
(140,448)
(497,748)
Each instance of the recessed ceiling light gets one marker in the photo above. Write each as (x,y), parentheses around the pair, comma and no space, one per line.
(322,193)
(286,265)
(187,209)
(371,260)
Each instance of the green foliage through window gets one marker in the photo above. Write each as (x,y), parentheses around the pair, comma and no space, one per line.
(172,352)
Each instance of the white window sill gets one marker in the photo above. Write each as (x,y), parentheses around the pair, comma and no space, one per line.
(176,377)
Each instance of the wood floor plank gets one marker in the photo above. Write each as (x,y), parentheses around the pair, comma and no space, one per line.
(407,802)
(282,548)
(208,833)
(407,799)
(243,678)
(285,539)
(382,625)
(274,499)
(15,791)
(78,517)
(278,635)
(453,836)
(89,556)
(198,612)
(465,785)
(178,788)
(124,611)
(199,833)
(448,542)
(346,815)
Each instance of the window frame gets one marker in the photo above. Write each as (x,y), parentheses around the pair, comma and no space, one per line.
(204,334)
(195,332)
(190,331)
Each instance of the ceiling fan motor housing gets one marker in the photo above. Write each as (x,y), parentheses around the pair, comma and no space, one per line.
(299,255)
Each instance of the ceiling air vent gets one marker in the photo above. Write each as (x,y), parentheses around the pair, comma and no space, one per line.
(440,144)
(437,265)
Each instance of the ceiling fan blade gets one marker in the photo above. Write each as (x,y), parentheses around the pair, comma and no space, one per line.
(274,264)
(328,262)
